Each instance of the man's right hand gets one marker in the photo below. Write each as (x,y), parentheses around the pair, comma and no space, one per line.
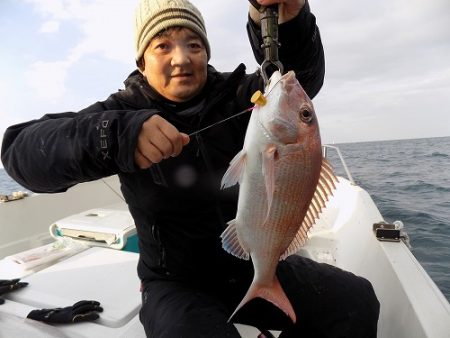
(287,9)
(158,140)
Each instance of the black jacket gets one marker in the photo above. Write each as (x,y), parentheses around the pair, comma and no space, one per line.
(177,205)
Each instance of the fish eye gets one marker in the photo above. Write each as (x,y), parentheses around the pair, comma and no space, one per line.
(306,116)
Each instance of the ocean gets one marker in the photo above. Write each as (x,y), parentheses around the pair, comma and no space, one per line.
(409,180)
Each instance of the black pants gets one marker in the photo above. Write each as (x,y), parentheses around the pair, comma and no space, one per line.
(328,302)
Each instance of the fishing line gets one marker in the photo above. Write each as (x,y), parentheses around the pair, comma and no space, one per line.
(221,121)
(232,116)
(113,190)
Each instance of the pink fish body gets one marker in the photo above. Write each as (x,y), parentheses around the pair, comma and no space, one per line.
(284,182)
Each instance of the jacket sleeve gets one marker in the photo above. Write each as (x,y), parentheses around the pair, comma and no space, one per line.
(58,151)
(300,49)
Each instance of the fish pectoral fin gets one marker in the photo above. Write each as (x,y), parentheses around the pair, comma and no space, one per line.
(235,171)
(325,187)
(268,170)
(230,242)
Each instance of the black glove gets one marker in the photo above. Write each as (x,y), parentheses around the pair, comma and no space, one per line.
(8,285)
(82,311)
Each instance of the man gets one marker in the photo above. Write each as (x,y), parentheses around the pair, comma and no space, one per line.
(171,182)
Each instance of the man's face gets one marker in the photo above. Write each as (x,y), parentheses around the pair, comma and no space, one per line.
(175,64)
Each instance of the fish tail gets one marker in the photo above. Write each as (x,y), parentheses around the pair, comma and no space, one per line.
(273,293)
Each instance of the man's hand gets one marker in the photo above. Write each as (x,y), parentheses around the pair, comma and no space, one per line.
(8,285)
(158,140)
(287,9)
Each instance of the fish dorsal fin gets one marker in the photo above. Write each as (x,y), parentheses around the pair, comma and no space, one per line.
(235,171)
(324,189)
(230,242)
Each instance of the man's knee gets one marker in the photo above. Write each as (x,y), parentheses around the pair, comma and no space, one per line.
(330,301)
(367,296)
(363,309)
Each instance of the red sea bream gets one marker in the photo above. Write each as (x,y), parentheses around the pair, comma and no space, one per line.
(284,184)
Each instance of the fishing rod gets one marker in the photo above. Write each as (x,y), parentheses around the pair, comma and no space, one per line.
(269,34)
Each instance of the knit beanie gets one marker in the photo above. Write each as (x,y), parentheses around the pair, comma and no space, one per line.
(153,16)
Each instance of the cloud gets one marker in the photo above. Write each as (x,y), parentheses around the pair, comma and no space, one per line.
(57,10)
(51,26)
(48,79)
(102,26)
(387,37)
(386,67)
(226,28)
(7,116)
(4,111)
(106,31)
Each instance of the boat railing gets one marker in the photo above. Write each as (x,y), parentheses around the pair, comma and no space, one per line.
(325,148)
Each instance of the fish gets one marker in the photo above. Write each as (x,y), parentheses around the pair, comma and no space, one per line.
(284,183)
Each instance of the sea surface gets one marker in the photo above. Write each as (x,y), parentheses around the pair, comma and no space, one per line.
(409,180)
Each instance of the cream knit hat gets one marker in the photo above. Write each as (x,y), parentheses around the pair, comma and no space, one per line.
(153,16)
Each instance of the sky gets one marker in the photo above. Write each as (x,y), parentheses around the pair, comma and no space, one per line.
(387,61)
